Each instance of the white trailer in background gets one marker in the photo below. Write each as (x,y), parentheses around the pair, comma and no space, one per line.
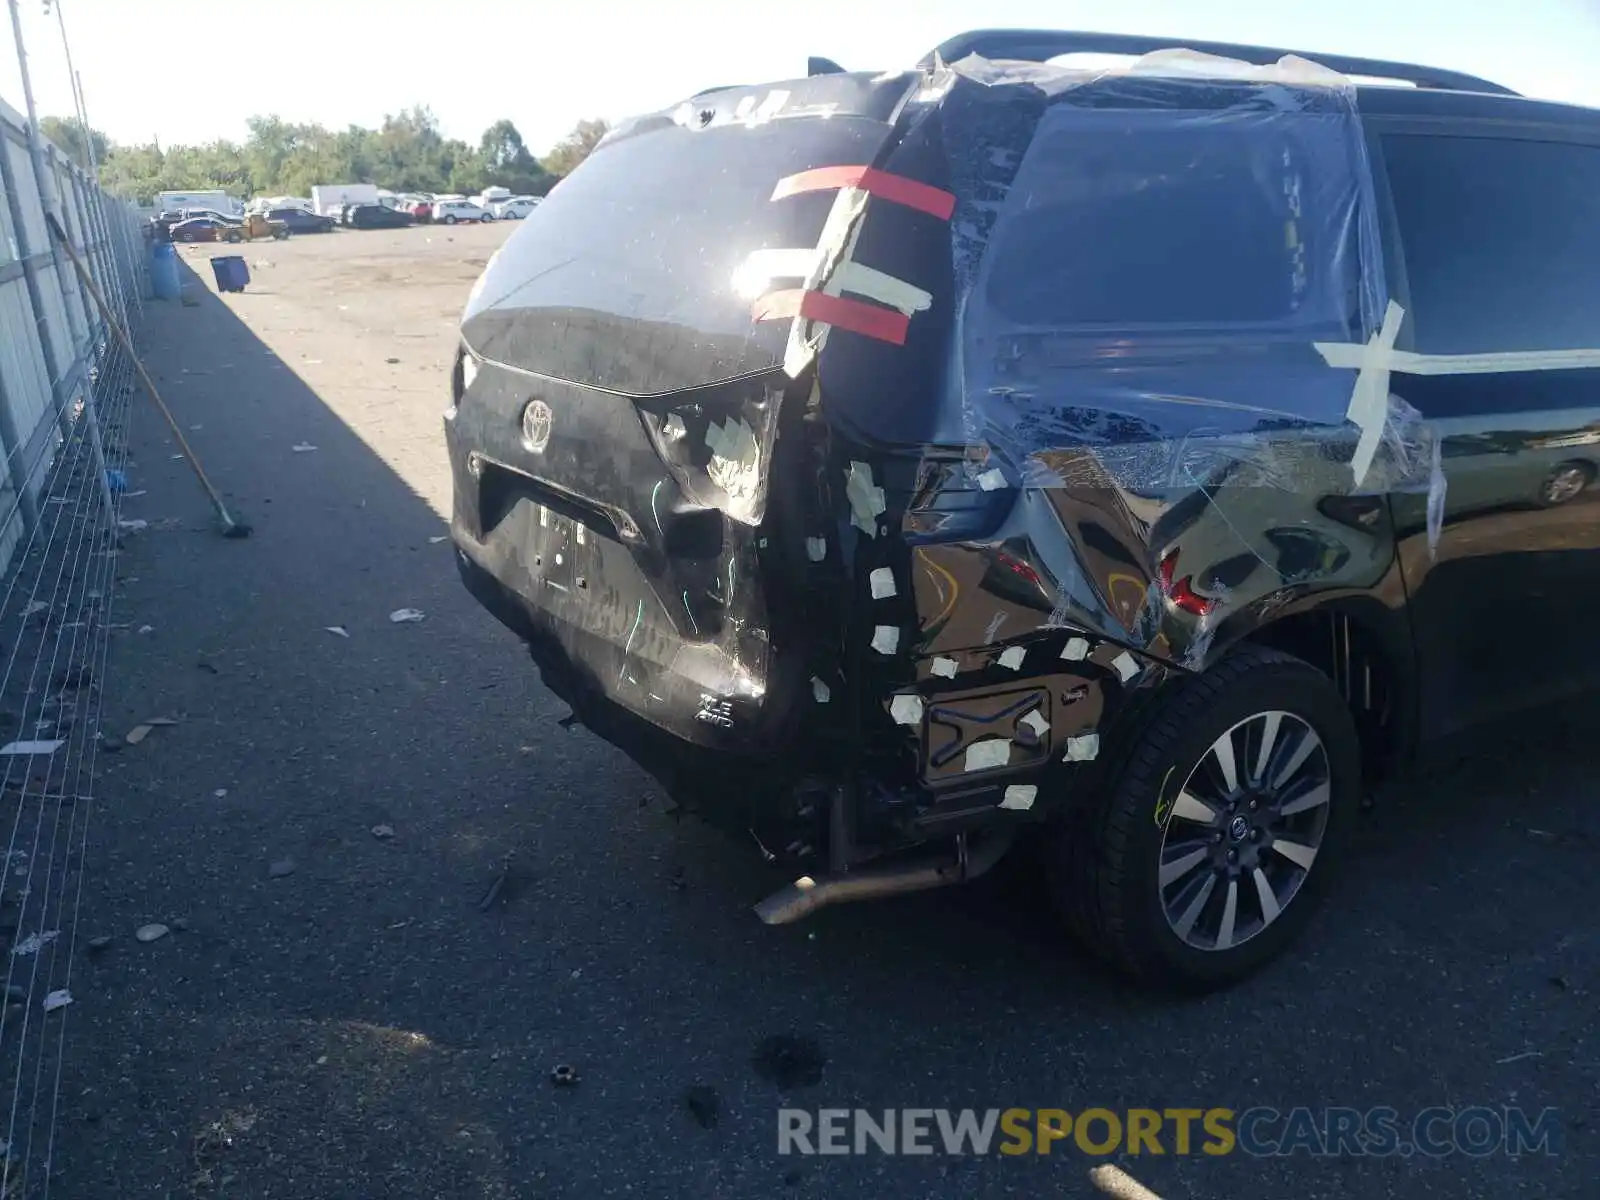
(215,199)
(328,199)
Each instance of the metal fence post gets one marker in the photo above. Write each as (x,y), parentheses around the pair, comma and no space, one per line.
(59,387)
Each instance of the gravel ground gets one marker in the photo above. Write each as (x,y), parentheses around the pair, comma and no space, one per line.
(359,1025)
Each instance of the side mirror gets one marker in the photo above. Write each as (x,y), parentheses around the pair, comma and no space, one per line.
(823,66)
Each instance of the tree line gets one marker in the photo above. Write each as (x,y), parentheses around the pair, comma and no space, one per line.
(407,153)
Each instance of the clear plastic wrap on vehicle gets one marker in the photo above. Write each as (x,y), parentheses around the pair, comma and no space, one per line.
(1149,262)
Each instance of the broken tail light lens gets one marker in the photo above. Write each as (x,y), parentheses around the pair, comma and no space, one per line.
(1180,591)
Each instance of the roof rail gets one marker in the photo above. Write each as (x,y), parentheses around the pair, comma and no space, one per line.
(1041,45)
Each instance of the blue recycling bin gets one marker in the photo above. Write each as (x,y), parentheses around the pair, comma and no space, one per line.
(164,271)
(232,272)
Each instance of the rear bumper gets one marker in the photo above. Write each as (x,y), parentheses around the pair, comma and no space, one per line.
(729,786)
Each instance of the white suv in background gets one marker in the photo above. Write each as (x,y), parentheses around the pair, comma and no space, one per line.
(515,208)
(450,212)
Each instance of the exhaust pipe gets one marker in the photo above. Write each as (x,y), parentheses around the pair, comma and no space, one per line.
(806,895)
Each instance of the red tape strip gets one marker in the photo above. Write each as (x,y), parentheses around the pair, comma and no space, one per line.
(857,316)
(896,189)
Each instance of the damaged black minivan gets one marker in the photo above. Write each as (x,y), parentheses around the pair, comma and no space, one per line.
(1131,463)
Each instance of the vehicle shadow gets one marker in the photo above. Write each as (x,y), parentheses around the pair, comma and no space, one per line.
(401,893)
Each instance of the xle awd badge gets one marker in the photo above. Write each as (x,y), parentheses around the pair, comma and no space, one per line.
(536,421)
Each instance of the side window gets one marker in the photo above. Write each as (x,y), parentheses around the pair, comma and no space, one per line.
(1501,240)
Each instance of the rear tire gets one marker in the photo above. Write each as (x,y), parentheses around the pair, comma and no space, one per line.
(450,220)
(1105,863)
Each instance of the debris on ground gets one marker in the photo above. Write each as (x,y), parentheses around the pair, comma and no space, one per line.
(153,932)
(391,361)
(302,447)
(383,832)
(142,730)
(789,1062)
(337,630)
(136,525)
(35,942)
(563,1075)
(281,868)
(57,999)
(705,1104)
(208,668)
(98,944)
(31,748)
(220,793)
(1501,1062)
(1113,1181)
(434,541)
(406,616)
(147,629)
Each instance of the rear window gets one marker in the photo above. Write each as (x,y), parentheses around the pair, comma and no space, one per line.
(623,277)
(1167,219)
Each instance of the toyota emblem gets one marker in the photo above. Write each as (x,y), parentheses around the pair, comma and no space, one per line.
(536,420)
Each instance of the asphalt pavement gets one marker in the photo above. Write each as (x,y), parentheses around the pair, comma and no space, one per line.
(401,895)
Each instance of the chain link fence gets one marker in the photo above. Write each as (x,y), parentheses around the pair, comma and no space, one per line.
(65,391)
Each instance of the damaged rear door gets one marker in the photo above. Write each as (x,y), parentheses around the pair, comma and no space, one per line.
(614,432)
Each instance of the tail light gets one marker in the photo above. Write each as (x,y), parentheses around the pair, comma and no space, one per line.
(1180,591)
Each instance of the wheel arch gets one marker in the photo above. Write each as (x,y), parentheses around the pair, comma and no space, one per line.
(1364,649)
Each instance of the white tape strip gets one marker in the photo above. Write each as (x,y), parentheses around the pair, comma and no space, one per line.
(985,756)
(881,581)
(1019,797)
(1083,749)
(820,691)
(945,668)
(1036,722)
(1127,666)
(886,639)
(1369,402)
(1076,649)
(1013,658)
(1405,362)
(906,710)
(755,278)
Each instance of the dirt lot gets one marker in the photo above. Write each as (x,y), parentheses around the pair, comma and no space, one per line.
(340,1016)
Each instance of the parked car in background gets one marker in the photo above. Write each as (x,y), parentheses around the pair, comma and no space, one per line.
(450,212)
(421,210)
(300,220)
(213,215)
(200,229)
(515,208)
(377,216)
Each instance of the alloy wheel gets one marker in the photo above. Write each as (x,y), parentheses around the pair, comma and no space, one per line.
(1244,830)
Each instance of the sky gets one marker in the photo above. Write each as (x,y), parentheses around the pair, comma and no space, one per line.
(152,69)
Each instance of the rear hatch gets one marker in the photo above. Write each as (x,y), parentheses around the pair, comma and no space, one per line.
(619,399)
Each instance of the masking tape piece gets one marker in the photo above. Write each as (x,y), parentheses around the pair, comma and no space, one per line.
(986,755)
(1354,355)
(1127,666)
(544,518)
(1013,658)
(674,427)
(1084,748)
(992,480)
(756,275)
(1036,721)
(816,548)
(906,710)
(886,639)
(1076,649)
(820,691)
(1369,401)
(866,500)
(1019,797)
(945,668)
(881,582)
